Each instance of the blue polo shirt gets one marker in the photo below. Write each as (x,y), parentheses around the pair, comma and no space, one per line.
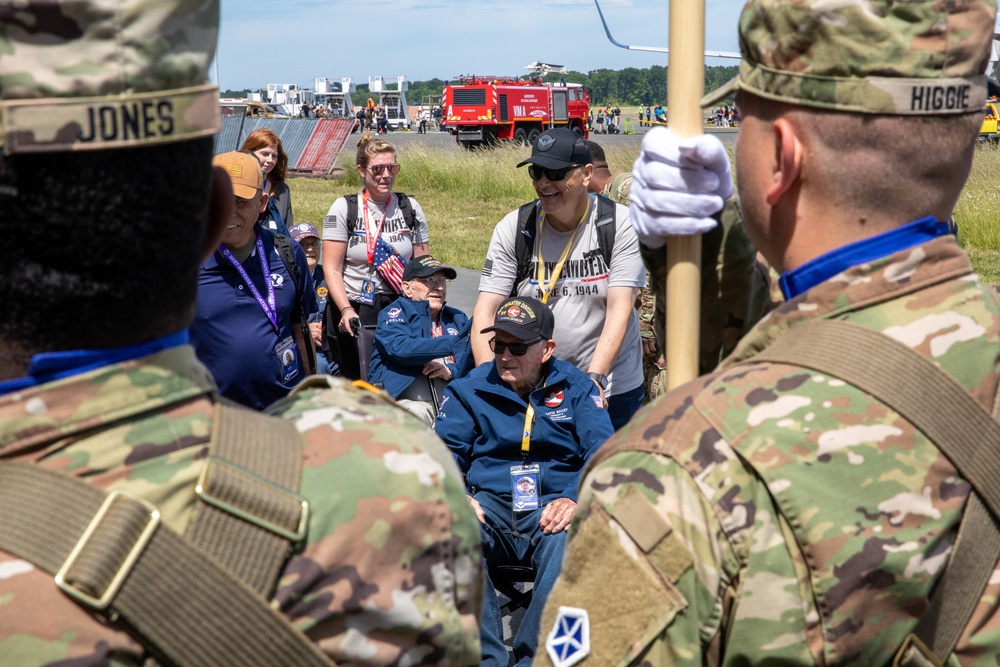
(233,336)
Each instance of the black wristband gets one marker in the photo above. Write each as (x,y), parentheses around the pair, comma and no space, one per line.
(602,380)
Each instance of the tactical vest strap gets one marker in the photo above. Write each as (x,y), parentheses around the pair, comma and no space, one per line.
(957,424)
(112,555)
(251,515)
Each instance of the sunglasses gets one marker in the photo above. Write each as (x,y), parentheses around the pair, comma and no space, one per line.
(517,349)
(377,169)
(536,172)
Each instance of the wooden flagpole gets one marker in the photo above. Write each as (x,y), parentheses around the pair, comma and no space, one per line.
(685,87)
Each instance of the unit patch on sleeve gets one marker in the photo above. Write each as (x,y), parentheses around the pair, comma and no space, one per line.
(569,641)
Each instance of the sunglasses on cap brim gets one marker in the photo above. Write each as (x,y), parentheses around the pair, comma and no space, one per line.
(536,172)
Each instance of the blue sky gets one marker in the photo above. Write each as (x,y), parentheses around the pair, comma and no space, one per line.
(294,41)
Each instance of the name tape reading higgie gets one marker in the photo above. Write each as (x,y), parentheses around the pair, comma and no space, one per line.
(71,124)
(929,98)
(937,98)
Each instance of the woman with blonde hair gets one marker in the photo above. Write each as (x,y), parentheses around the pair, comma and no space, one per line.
(266,147)
(368,238)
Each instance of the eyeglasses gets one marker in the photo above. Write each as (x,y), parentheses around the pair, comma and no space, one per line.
(432,280)
(536,172)
(517,349)
(377,169)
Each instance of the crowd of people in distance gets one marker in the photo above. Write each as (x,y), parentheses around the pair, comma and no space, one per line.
(726,115)
(607,120)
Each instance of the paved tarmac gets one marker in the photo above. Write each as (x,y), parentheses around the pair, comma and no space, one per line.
(462,291)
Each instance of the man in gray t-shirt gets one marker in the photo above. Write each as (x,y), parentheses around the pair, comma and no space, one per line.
(595,323)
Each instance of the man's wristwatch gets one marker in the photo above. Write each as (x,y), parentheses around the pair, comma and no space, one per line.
(601,380)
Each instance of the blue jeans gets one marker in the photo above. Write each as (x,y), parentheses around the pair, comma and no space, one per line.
(621,407)
(520,541)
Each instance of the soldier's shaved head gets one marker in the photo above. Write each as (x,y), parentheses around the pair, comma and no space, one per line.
(904,167)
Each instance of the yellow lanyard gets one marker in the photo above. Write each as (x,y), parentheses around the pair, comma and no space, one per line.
(529,424)
(546,288)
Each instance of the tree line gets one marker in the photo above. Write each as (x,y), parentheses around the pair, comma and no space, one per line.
(631,86)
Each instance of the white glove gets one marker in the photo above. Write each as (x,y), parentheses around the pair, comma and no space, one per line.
(678,185)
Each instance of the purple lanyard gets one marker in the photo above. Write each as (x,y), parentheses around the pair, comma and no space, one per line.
(269,307)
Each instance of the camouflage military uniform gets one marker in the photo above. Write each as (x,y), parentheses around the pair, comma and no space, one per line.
(767,512)
(618,187)
(770,514)
(389,573)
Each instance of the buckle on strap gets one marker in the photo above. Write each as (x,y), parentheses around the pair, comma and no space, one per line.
(120,527)
(224,485)
(914,653)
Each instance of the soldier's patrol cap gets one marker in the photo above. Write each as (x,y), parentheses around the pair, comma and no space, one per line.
(895,57)
(106,74)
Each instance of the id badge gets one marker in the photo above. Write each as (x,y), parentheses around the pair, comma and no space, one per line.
(367,296)
(524,487)
(286,359)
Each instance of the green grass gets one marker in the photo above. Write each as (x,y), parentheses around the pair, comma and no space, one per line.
(978,214)
(465,193)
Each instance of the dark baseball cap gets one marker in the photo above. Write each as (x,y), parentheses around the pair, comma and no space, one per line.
(303,230)
(425,265)
(524,318)
(558,148)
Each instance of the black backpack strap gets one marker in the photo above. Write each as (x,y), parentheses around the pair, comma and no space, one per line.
(524,241)
(606,227)
(930,399)
(352,211)
(409,214)
(283,245)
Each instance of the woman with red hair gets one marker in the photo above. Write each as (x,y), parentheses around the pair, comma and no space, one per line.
(266,147)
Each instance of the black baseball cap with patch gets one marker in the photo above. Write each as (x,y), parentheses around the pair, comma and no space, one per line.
(425,265)
(524,318)
(559,148)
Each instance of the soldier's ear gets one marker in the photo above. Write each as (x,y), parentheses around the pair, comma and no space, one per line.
(787,160)
(220,209)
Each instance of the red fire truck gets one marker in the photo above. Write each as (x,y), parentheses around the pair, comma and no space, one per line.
(481,110)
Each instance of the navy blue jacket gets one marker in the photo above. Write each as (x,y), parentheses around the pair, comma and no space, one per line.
(233,337)
(481,419)
(322,293)
(403,344)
